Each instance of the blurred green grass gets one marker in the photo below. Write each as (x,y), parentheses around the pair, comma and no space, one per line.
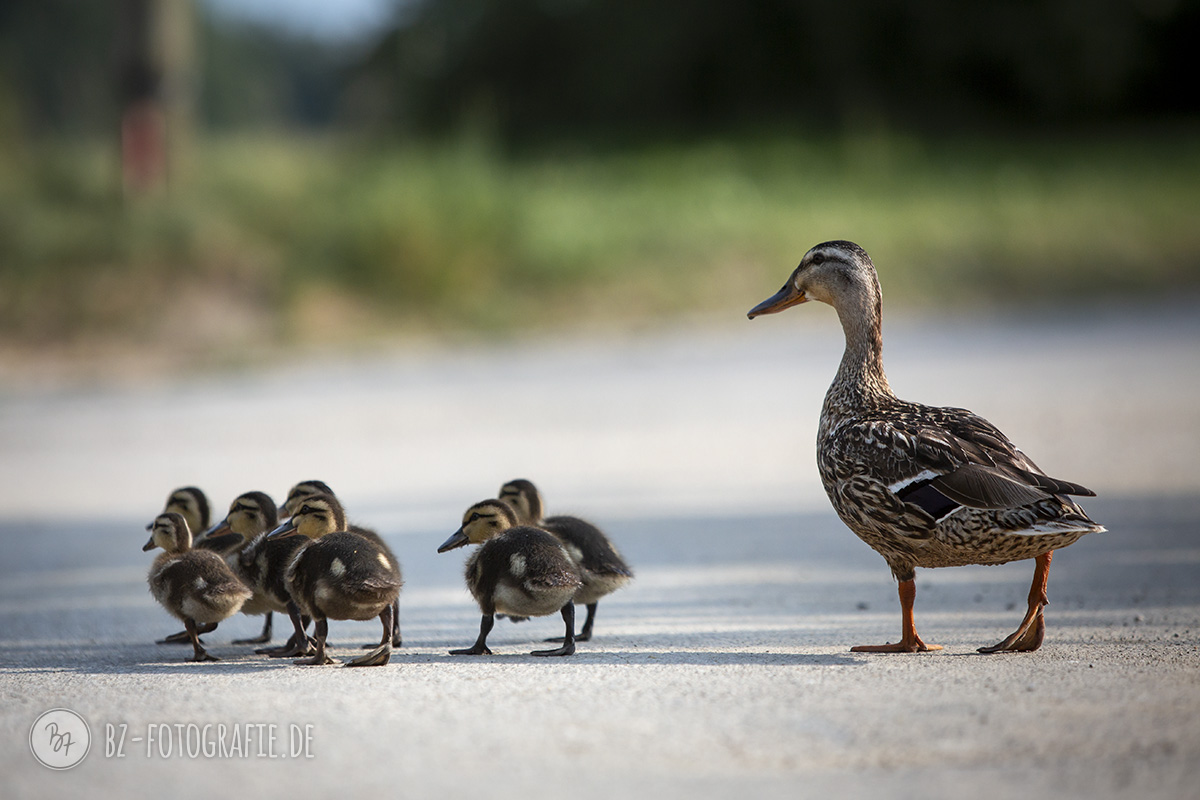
(332,239)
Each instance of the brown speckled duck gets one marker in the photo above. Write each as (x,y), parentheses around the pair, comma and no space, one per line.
(310,488)
(517,570)
(601,567)
(922,485)
(196,586)
(338,574)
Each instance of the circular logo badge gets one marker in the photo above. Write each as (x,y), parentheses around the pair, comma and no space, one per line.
(60,738)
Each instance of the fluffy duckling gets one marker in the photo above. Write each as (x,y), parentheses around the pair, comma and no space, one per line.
(601,567)
(259,564)
(196,586)
(518,570)
(306,489)
(191,503)
(337,574)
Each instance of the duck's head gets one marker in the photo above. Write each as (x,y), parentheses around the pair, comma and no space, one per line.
(839,273)
(317,515)
(250,514)
(524,498)
(300,492)
(481,522)
(192,504)
(170,532)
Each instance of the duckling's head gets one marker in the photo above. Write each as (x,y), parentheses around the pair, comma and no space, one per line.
(250,514)
(839,273)
(316,516)
(192,504)
(524,498)
(301,491)
(481,522)
(170,532)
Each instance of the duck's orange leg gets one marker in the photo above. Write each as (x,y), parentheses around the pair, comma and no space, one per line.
(1032,630)
(909,641)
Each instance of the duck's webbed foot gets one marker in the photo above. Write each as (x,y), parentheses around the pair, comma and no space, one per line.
(1032,630)
(568,615)
(263,637)
(909,642)
(198,652)
(480,647)
(383,653)
(183,637)
(319,658)
(902,646)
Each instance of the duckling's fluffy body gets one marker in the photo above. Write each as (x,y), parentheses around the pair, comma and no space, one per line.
(523,572)
(196,586)
(601,567)
(342,575)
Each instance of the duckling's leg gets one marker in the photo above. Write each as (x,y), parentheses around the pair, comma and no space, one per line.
(480,647)
(395,634)
(319,659)
(568,615)
(909,641)
(199,653)
(382,654)
(263,637)
(1028,636)
(183,637)
(300,644)
(585,634)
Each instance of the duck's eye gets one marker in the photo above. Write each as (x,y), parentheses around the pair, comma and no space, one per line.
(817,258)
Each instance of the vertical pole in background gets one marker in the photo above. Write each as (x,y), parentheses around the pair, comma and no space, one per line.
(155,47)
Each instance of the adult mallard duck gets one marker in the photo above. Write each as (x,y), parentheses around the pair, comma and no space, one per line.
(518,570)
(924,486)
(196,586)
(601,567)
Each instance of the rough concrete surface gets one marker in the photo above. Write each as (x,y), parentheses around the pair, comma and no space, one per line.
(723,670)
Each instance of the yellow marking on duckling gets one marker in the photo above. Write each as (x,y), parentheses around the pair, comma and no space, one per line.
(337,569)
(516,565)
(383,560)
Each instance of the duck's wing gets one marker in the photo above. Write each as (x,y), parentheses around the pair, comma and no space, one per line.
(960,459)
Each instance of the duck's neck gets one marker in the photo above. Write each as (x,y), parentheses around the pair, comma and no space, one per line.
(860,381)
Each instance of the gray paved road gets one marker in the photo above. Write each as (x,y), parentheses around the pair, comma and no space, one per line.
(722,670)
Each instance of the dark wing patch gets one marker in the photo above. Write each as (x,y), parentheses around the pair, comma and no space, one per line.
(926,497)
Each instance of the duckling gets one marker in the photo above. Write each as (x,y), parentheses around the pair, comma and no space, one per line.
(196,586)
(258,563)
(337,574)
(192,504)
(305,489)
(600,566)
(518,570)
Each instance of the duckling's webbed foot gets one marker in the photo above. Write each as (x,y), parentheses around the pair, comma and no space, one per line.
(383,653)
(480,647)
(263,637)
(584,635)
(395,635)
(568,615)
(183,637)
(320,658)
(198,652)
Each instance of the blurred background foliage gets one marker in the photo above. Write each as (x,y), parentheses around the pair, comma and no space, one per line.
(501,165)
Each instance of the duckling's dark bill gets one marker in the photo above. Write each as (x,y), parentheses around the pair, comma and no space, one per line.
(457,539)
(786,297)
(150,545)
(283,531)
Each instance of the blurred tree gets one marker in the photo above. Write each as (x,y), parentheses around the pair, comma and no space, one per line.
(532,67)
